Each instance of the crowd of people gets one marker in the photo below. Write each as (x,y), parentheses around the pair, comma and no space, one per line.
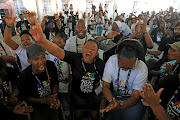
(57,74)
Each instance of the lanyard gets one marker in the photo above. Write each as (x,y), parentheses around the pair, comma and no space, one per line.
(39,80)
(175,68)
(94,68)
(126,84)
(78,45)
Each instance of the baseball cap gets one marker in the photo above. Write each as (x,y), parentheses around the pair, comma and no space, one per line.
(34,51)
(175,45)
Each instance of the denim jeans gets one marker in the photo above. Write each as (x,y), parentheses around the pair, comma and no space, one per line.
(134,113)
(67,112)
(99,31)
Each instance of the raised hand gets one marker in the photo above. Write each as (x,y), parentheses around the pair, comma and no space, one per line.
(138,27)
(56,16)
(10,19)
(113,34)
(144,24)
(149,97)
(36,31)
(46,18)
(30,16)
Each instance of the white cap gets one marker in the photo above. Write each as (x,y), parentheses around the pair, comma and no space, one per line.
(118,23)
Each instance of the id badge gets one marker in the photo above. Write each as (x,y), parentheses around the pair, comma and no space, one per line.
(98,88)
(118,95)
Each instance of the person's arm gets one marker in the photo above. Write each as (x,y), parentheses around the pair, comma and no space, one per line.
(43,22)
(153,73)
(38,36)
(133,100)
(14,96)
(149,42)
(109,36)
(7,32)
(55,89)
(10,59)
(153,100)
(148,39)
(160,113)
(154,52)
(46,100)
(58,23)
(106,90)
(22,110)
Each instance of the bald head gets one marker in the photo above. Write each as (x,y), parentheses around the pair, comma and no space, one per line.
(81,29)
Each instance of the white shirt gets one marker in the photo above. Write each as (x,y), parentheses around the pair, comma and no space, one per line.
(51,36)
(21,52)
(62,77)
(137,78)
(133,26)
(73,47)
(100,20)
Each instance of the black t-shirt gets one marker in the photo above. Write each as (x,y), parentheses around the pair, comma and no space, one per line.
(84,79)
(170,84)
(158,35)
(173,107)
(37,85)
(20,25)
(142,40)
(164,45)
(9,80)
(47,30)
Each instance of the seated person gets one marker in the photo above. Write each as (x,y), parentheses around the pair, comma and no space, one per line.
(169,67)
(152,99)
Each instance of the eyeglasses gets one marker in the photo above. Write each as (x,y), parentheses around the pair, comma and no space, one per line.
(50,24)
(125,69)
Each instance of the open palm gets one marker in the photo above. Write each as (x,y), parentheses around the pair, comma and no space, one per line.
(10,19)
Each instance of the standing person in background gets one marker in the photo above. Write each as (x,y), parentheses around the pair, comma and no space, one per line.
(22,24)
(71,8)
(100,23)
(52,28)
(106,8)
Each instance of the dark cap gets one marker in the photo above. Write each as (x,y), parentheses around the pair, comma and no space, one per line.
(34,51)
